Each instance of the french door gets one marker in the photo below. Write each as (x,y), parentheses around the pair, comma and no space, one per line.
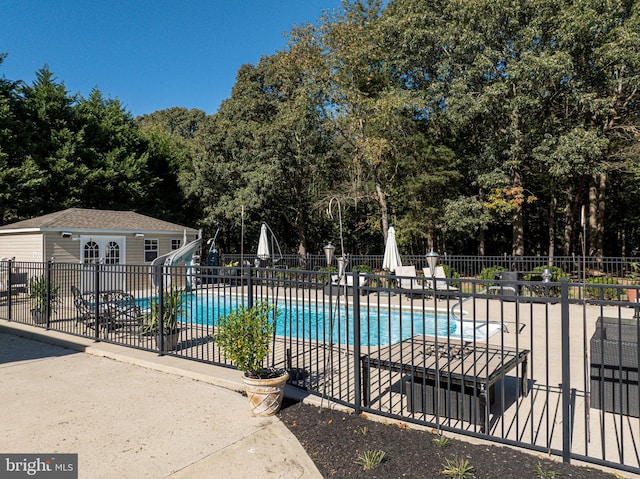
(109,253)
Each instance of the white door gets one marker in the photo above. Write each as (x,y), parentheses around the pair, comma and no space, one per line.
(107,252)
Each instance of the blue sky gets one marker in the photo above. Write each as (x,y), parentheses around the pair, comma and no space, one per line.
(152,54)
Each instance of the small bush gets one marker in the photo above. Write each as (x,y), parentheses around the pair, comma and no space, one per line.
(556,274)
(594,292)
(328,269)
(244,336)
(490,273)
(363,268)
(536,276)
(451,273)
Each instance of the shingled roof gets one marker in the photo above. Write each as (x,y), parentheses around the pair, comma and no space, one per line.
(96,220)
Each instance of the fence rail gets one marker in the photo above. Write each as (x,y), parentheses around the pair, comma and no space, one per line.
(625,269)
(544,365)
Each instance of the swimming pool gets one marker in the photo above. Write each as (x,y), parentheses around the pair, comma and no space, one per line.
(320,322)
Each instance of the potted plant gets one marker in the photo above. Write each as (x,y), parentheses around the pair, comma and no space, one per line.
(41,292)
(172,309)
(244,336)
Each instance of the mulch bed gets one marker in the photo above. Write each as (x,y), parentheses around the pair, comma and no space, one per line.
(335,440)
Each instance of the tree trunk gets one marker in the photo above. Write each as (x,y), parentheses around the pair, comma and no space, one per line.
(302,251)
(574,195)
(297,223)
(481,234)
(599,233)
(384,212)
(568,224)
(517,244)
(593,215)
(552,227)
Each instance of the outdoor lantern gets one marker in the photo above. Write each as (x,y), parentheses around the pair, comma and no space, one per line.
(328,252)
(432,261)
(342,266)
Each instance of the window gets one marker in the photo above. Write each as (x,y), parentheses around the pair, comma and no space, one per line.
(150,250)
(112,254)
(91,252)
(175,244)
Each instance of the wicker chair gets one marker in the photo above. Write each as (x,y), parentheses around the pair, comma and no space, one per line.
(614,366)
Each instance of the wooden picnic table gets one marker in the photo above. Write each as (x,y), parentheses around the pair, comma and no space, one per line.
(467,375)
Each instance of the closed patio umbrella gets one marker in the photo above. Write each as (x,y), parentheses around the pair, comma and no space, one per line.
(263,244)
(391,258)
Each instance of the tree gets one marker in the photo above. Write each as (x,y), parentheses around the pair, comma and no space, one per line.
(263,152)
(373,116)
(510,82)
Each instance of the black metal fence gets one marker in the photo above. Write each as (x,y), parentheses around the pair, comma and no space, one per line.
(625,270)
(547,365)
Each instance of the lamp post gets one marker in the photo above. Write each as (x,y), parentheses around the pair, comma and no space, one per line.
(432,261)
(328,253)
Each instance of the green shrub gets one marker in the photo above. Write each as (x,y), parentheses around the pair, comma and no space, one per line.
(38,286)
(490,273)
(244,336)
(601,293)
(328,269)
(536,277)
(173,304)
(451,273)
(363,268)
(556,274)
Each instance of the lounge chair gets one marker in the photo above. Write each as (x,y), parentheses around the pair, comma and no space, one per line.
(19,283)
(347,279)
(409,282)
(440,279)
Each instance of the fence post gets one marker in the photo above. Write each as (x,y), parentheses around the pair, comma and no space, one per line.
(96,301)
(566,373)
(249,285)
(48,302)
(9,286)
(160,332)
(355,290)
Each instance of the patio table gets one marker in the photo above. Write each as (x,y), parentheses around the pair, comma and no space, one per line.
(466,375)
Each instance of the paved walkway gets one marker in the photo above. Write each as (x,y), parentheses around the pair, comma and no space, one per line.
(134,414)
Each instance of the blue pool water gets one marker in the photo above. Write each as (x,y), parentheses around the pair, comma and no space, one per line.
(313,321)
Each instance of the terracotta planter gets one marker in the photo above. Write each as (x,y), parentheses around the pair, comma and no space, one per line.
(265,395)
(632,295)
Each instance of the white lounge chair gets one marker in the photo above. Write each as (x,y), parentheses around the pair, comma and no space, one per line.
(409,282)
(347,280)
(441,285)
